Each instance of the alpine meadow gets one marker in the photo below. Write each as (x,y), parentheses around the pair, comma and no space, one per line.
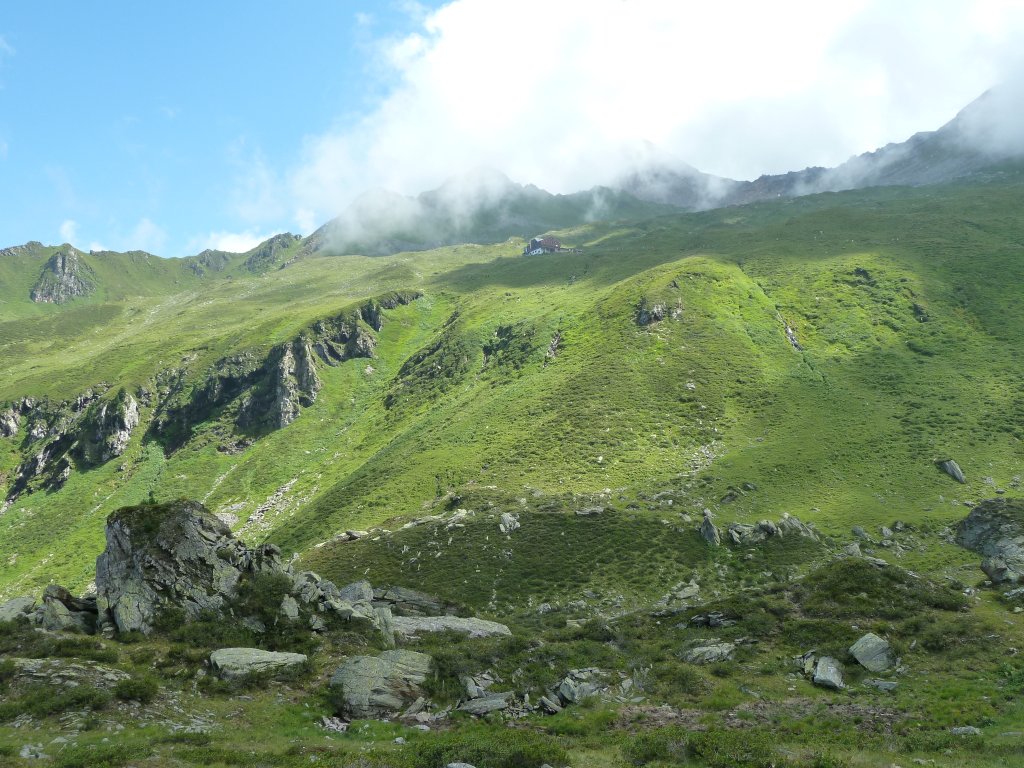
(677,470)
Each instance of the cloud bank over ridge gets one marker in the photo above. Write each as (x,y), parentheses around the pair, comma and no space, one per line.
(573,94)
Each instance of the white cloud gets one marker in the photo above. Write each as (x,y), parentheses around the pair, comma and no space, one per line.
(561,94)
(234,242)
(6,49)
(69,231)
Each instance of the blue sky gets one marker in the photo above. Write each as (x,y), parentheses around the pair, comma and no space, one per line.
(172,127)
(136,122)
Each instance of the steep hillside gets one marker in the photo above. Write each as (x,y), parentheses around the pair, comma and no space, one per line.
(814,356)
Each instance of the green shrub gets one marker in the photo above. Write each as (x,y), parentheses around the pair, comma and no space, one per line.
(100,756)
(41,700)
(672,676)
(852,587)
(8,669)
(713,748)
(21,639)
(490,748)
(143,689)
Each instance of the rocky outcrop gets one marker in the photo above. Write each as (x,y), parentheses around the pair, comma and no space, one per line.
(409,627)
(176,555)
(379,686)
(231,663)
(410,602)
(10,422)
(81,432)
(995,529)
(180,556)
(873,653)
(647,314)
(291,383)
(109,429)
(269,389)
(271,253)
(65,277)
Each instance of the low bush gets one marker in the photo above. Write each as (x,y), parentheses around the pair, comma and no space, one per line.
(491,747)
(143,689)
(41,700)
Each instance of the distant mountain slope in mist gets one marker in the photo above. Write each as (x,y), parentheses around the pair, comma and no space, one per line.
(484,206)
(989,131)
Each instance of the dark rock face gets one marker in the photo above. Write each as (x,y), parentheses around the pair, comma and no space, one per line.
(995,529)
(64,278)
(649,314)
(291,384)
(84,432)
(109,429)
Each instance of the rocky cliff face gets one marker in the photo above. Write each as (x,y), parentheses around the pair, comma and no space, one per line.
(259,393)
(65,277)
(290,384)
(84,432)
(109,429)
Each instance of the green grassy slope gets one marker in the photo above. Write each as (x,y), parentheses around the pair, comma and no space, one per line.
(903,303)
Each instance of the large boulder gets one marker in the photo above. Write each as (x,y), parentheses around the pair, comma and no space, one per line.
(709,531)
(828,673)
(16,608)
(952,469)
(379,686)
(231,663)
(175,555)
(873,653)
(995,529)
(409,627)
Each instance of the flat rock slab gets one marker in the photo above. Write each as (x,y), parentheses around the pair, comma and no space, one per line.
(411,626)
(873,653)
(489,702)
(238,662)
(379,686)
(709,654)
